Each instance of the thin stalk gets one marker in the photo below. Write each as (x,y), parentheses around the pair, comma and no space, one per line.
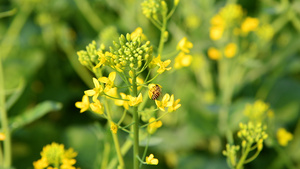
(146,148)
(125,148)
(105,158)
(14,29)
(243,158)
(162,33)
(252,158)
(8,13)
(89,14)
(4,122)
(115,138)
(135,125)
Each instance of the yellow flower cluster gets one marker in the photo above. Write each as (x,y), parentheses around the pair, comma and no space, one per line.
(54,156)
(183,59)
(153,125)
(256,112)
(151,160)
(284,136)
(252,133)
(229,51)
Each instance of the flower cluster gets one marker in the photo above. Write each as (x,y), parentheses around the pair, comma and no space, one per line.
(126,60)
(230,21)
(183,59)
(54,156)
(252,137)
(283,136)
(257,112)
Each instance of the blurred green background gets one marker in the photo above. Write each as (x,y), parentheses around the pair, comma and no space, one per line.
(39,42)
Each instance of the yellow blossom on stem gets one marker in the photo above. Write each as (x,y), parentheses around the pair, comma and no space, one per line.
(162,64)
(2,136)
(182,60)
(113,92)
(284,136)
(249,24)
(174,105)
(184,45)
(230,50)
(164,103)
(216,32)
(214,53)
(217,20)
(154,125)
(134,101)
(109,81)
(102,58)
(40,164)
(138,32)
(151,160)
(123,102)
(84,104)
(96,91)
(113,127)
(97,107)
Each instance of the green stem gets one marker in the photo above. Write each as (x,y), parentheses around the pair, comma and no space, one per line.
(14,29)
(89,14)
(244,156)
(155,23)
(125,148)
(146,149)
(106,152)
(4,122)
(115,138)
(253,157)
(135,125)
(162,35)
(8,13)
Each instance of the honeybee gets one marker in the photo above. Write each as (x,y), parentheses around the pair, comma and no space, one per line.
(154,91)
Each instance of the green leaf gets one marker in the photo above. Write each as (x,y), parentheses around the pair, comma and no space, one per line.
(15,95)
(33,114)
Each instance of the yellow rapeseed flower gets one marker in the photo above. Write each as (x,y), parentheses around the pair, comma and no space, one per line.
(151,160)
(123,102)
(230,50)
(134,101)
(174,105)
(113,127)
(249,24)
(55,155)
(182,60)
(216,32)
(214,53)
(96,91)
(2,136)
(97,107)
(162,64)
(164,103)
(138,32)
(231,12)
(154,125)
(218,21)
(40,164)
(184,45)
(84,104)
(192,21)
(109,81)
(284,137)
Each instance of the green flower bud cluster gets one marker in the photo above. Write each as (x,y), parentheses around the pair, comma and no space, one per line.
(231,154)
(252,133)
(89,57)
(151,8)
(129,53)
